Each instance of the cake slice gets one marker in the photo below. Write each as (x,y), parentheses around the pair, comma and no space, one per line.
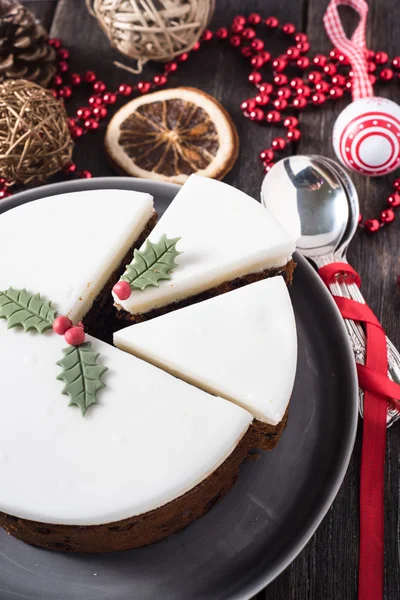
(227,240)
(241,346)
(70,248)
(153,455)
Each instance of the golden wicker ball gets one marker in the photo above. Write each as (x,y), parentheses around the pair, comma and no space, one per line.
(152,29)
(35,141)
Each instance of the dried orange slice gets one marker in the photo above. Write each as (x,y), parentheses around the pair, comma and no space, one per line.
(170,134)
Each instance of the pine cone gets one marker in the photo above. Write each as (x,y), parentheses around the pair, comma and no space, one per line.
(24,52)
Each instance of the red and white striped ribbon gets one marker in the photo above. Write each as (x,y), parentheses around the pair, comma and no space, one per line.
(355,48)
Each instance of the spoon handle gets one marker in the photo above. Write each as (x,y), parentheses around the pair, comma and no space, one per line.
(357,335)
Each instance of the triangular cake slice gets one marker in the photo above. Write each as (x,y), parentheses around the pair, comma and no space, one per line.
(227,240)
(148,459)
(68,247)
(241,346)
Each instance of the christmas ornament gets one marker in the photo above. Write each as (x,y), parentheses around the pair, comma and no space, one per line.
(366,135)
(170,134)
(35,141)
(157,31)
(24,52)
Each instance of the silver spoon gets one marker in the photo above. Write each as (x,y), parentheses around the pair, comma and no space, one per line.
(310,200)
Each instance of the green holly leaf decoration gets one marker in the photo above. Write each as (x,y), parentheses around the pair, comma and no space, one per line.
(29,311)
(152,264)
(81,375)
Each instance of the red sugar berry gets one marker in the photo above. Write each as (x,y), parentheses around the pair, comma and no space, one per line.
(122,290)
(74,336)
(61,324)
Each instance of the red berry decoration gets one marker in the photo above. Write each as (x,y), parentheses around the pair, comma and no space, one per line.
(272,22)
(273,116)
(254,19)
(294,135)
(75,78)
(372,225)
(290,122)
(85,174)
(278,143)
(289,29)
(394,199)
(387,216)
(267,155)
(74,336)
(61,324)
(122,290)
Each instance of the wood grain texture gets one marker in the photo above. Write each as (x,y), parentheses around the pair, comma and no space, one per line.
(327,567)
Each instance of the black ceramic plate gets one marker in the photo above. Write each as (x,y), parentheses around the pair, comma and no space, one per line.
(273,509)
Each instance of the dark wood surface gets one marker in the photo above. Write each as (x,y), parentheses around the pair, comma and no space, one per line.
(327,567)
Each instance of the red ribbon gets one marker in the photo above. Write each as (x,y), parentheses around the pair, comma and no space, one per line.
(377,388)
(355,48)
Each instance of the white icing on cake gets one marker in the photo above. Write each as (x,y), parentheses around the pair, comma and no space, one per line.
(241,345)
(150,439)
(67,247)
(225,234)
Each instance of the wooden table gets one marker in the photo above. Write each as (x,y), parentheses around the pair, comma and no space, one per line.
(327,567)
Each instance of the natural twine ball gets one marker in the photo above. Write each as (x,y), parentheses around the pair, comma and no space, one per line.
(152,29)
(35,141)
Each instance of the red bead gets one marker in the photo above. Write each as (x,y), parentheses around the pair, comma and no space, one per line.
(160,79)
(371,67)
(169,67)
(318,98)
(266,87)
(289,29)
(330,69)
(95,101)
(58,80)
(70,168)
(320,60)
(394,199)
(342,58)
(303,90)
(54,92)
(83,112)
(109,98)
(71,123)
(74,336)
(303,47)
(3,181)
(55,42)
(222,33)
(272,22)
(125,89)
(262,99)
(387,216)
(280,79)
(273,116)
(294,135)
(4,193)
(372,225)
(77,132)
(257,62)
(334,54)
(372,78)
(396,62)
(348,85)
(323,86)
(122,290)
(257,45)
(63,54)
(300,38)
(75,79)
(207,35)
(300,102)
(290,122)
(247,51)
(255,77)
(396,183)
(196,46)
(85,174)
(381,58)
(237,28)
(248,105)
(257,115)
(266,56)
(183,57)
(61,324)
(296,82)
(240,19)
(293,53)
(99,86)
(336,92)
(254,19)
(284,92)
(279,64)
(370,54)
(90,76)
(339,80)
(268,167)
(235,41)
(91,124)
(144,87)
(63,66)
(386,74)
(267,155)
(278,143)
(315,76)
(66,91)
(100,112)
(248,33)
(280,104)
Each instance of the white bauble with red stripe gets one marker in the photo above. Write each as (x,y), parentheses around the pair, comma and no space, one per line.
(366,136)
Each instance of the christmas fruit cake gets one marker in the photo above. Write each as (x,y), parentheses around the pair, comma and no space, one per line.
(231,346)
(226,240)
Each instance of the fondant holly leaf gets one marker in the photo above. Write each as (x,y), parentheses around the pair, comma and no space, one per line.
(81,375)
(29,311)
(152,264)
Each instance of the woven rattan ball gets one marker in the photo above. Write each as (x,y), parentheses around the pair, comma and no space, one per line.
(152,29)
(35,141)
